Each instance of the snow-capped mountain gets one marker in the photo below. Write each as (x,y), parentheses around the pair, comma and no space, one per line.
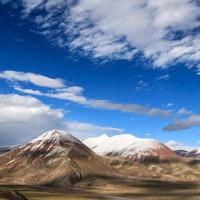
(54,158)
(54,138)
(131,147)
(56,135)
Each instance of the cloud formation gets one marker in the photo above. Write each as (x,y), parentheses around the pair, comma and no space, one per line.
(184,111)
(193,120)
(129,108)
(75,94)
(164,77)
(24,118)
(36,79)
(119,29)
(141,85)
(98,104)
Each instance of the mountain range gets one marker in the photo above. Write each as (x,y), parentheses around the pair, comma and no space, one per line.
(56,158)
(185,153)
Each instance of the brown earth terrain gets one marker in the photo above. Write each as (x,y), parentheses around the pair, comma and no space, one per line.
(57,167)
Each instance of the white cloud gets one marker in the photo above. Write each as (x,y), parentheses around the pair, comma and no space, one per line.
(35,79)
(77,97)
(75,94)
(30,5)
(130,108)
(24,108)
(193,120)
(127,24)
(24,118)
(141,85)
(164,77)
(161,30)
(170,104)
(184,111)
(174,145)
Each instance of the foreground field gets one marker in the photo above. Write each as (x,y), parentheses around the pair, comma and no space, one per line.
(107,189)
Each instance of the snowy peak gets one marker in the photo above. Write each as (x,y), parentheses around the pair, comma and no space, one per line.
(93,142)
(117,140)
(56,136)
(118,143)
(127,145)
(51,140)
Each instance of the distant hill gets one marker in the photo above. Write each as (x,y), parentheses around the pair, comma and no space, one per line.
(184,153)
(4,149)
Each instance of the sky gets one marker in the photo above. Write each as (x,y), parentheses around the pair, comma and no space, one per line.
(95,67)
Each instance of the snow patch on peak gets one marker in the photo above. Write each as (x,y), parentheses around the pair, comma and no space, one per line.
(51,140)
(56,136)
(94,142)
(104,143)
(124,137)
(124,144)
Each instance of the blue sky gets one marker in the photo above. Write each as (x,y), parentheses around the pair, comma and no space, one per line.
(146,73)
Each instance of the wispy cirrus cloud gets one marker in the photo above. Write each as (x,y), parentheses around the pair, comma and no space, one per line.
(121,29)
(74,94)
(191,121)
(184,111)
(99,104)
(36,79)
(163,77)
(141,85)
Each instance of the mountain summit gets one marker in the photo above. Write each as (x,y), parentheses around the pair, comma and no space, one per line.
(53,139)
(54,158)
(56,136)
(130,147)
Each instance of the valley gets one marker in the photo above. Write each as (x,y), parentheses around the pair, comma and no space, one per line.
(106,189)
